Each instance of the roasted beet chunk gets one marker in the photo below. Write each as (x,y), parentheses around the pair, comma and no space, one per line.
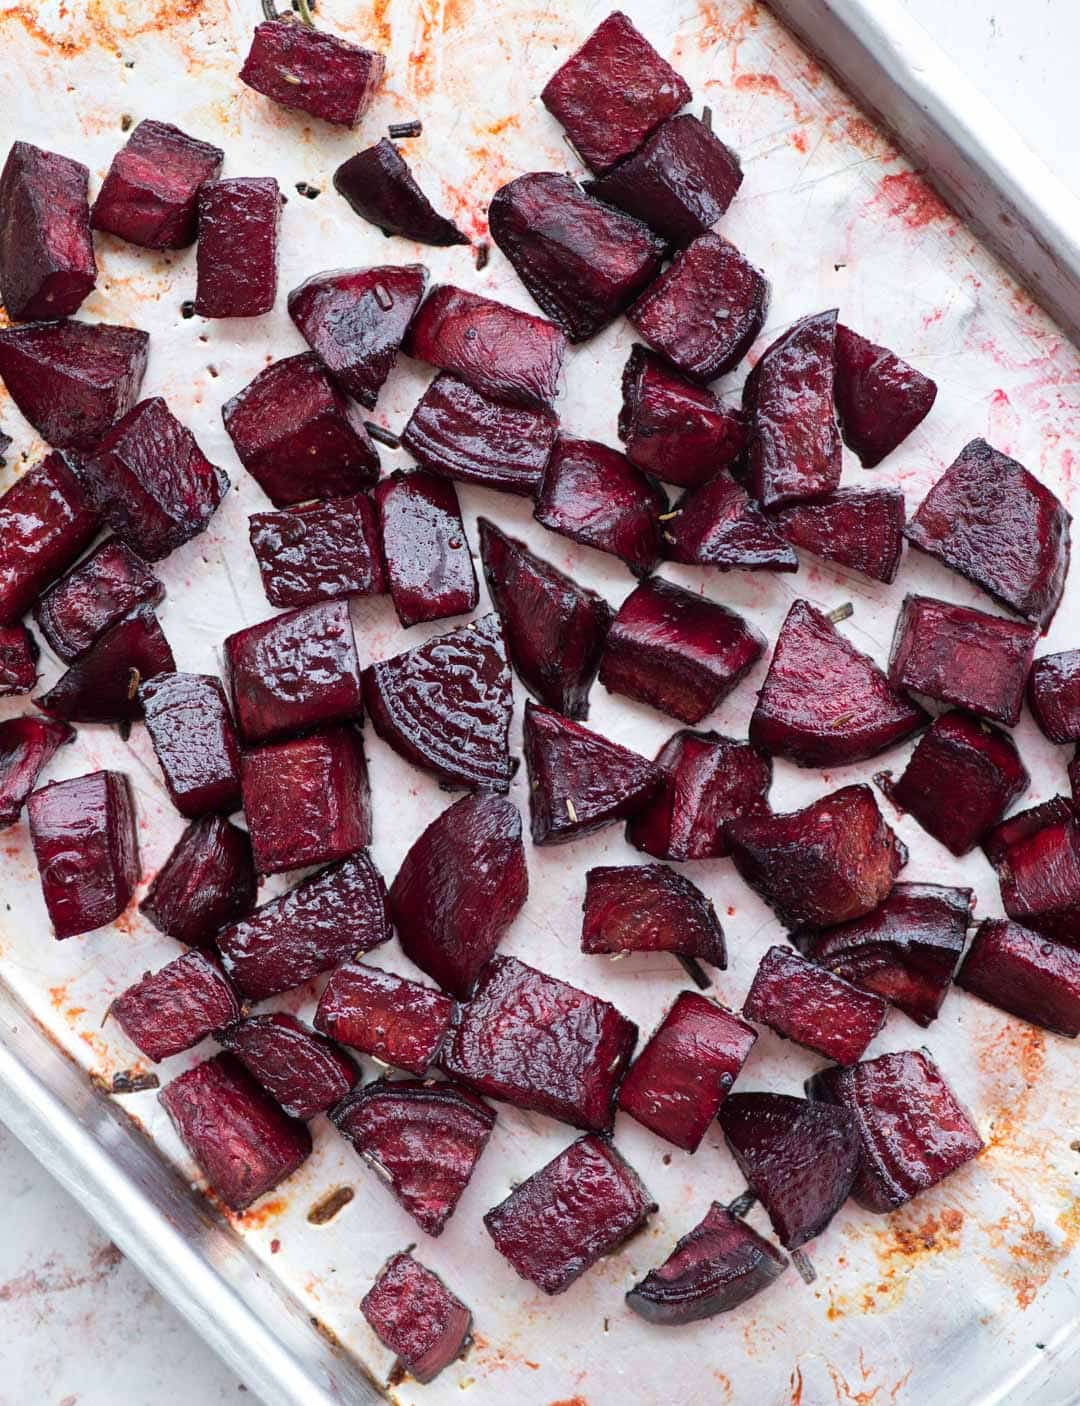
(238,1136)
(189,724)
(1023,825)
(820,1011)
(380,188)
(863,531)
(170,1010)
(579,781)
(318,551)
(677,651)
(1021,972)
(312,71)
(800,1159)
(583,1205)
(428,563)
(151,482)
(94,596)
(86,849)
(325,920)
(832,861)
(995,523)
(649,908)
(718,526)
(446,706)
(396,1021)
(207,881)
(45,522)
(46,250)
(413,1312)
(150,194)
(300,1070)
(102,686)
(1039,876)
(824,703)
(424,1138)
(26,747)
(238,247)
(879,398)
(18,660)
(1053,695)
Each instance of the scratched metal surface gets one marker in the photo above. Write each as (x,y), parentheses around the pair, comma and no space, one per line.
(957,1298)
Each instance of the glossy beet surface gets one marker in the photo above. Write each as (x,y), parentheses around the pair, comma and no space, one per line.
(807,1004)
(300,1070)
(995,523)
(380,188)
(879,398)
(27,745)
(425,1138)
(312,71)
(94,596)
(207,881)
(428,563)
(1039,874)
(1021,972)
(583,1205)
(46,520)
(168,1011)
(446,706)
(415,1315)
(800,1159)
(459,888)
(541,1044)
(398,1022)
(649,908)
(46,250)
(717,525)
(1053,695)
(862,531)
(189,724)
(823,702)
(1023,824)
(319,551)
(18,660)
(150,193)
(235,1132)
(86,847)
(237,253)
(102,686)
(582,261)
(671,428)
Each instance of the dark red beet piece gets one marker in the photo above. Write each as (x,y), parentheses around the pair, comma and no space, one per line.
(1053,695)
(300,1070)
(237,253)
(649,908)
(46,250)
(863,531)
(150,194)
(94,596)
(312,71)
(191,728)
(912,1130)
(1039,876)
(1074,778)
(459,888)
(961,656)
(583,262)
(879,398)
(379,187)
(413,1312)
(424,1138)
(87,852)
(168,1011)
(1021,972)
(151,482)
(428,561)
(800,1159)
(330,917)
(398,1022)
(1023,825)
(677,651)
(319,551)
(102,686)
(27,745)
(594,495)
(45,521)
(238,1136)
(824,703)
(720,1264)
(355,319)
(807,1004)
(579,781)
(612,92)
(995,523)
(718,526)
(207,881)
(18,660)
(827,863)
(446,706)
(583,1205)
(708,779)
(504,353)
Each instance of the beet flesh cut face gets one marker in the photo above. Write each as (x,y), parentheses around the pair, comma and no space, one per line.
(18,660)
(191,728)
(832,861)
(649,908)
(150,194)
(543,1045)
(1053,695)
(1019,971)
(398,1022)
(168,1011)
(992,521)
(46,519)
(86,847)
(414,1314)
(27,745)
(428,562)
(95,595)
(319,551)
(102,686)
(879,398)
(207,882)
(312,71)
(46,249)
(558,1223)
(860,530)
(805,1003)
(424,1138)
(446,706)
(1025,823)
(379,187)
(1039,875)
(235,1132)
(583,262)
(300,1070)
(237,253)
(717,525)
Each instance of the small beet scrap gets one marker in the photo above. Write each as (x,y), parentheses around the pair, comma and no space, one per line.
(649,908)
(46,520)
(1053,695)
(27,745)
(207,882)
(300,1070)
(318,551)
(46,249)
(805,1003)
(18,660)
(800,1159)
(1039,875)
(191,728)
(234,1131)
(879,398)
(102,686)
(993,522)
(379,187)
(150,195)
(237,255)
(312,71)
(86,847)
(1021,972)
(397,1022)
(168,1011)
(858,529)
(1025,823)
(558,1223)
(95,595)
(428,562)
(424,1138)
(412,1311)
(717,525)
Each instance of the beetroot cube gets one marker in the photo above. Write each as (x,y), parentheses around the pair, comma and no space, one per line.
(87,852)
(807,1004)
(18,660)
(1021,972)
(300,1070)
(1025,823)
(94,596)
(1053,695)
(879,398)
(237,253)
(396,1021)
(150,194)
(27,745)
(717,525)
(207,881)
(1039,876)
(45,521)
(649,908)
(312,71)
(413,1312)
(862,531)
(189,724)
(46,250)
(380,188)
(170,1010)
(102,686)
(319,551)
(428,562)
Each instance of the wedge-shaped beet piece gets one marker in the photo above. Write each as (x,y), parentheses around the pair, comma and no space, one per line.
(805,1003)
(424,1138)
(319,551)
(446,706)
(825,703)
(27,745)
(396,1021)
(300,1070)
(879,398)
(1053,695)
(18,660)
(717,525)
(355,319)
(995,523)
(168,1011)
(87,852)
(102,686)
(612,92)
(46,250)
(827,863)
(459,888)
(190,726)
(412,1311)
(649,908)
(330,917)
(708,779)
(594,495)
(800,1159)
(46,519)
(673,429)
(1019,971)
(1039,876)
(704,312)
(150,193)
(238,1136)
(504,353)
(237,256)
(720,1264)
(961,656)
(312,71)
(579,781)
(207,881)
(1025,823)
(860,530)
(428,563)
(94,596)
(151,482)
(380,188)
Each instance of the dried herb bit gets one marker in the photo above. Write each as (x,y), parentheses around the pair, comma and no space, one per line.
(706,117)
(131,1082)
(412,128)
(695,971)
(381,436)
(482,254)
(126,121)
(309,192)
(801,1261)
(187,309)
(842,612)
(327,1207)
(742,1204)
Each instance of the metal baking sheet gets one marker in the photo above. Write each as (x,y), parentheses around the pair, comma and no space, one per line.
(963,1297)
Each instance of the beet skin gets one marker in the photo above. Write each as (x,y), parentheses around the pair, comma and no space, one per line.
(717,525)
(879,398)
(380,188)
(47,262)
(413,1312)
(102,685)
(300,1070)
(649,908)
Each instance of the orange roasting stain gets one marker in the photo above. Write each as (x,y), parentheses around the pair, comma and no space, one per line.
(717,28)
(865,1394)
(908,1239)
(1019,1052)
(571,1401)
(260,1215)
(102,25)
(1033,1254)
(796,1387)
(907,197)
(798,141)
